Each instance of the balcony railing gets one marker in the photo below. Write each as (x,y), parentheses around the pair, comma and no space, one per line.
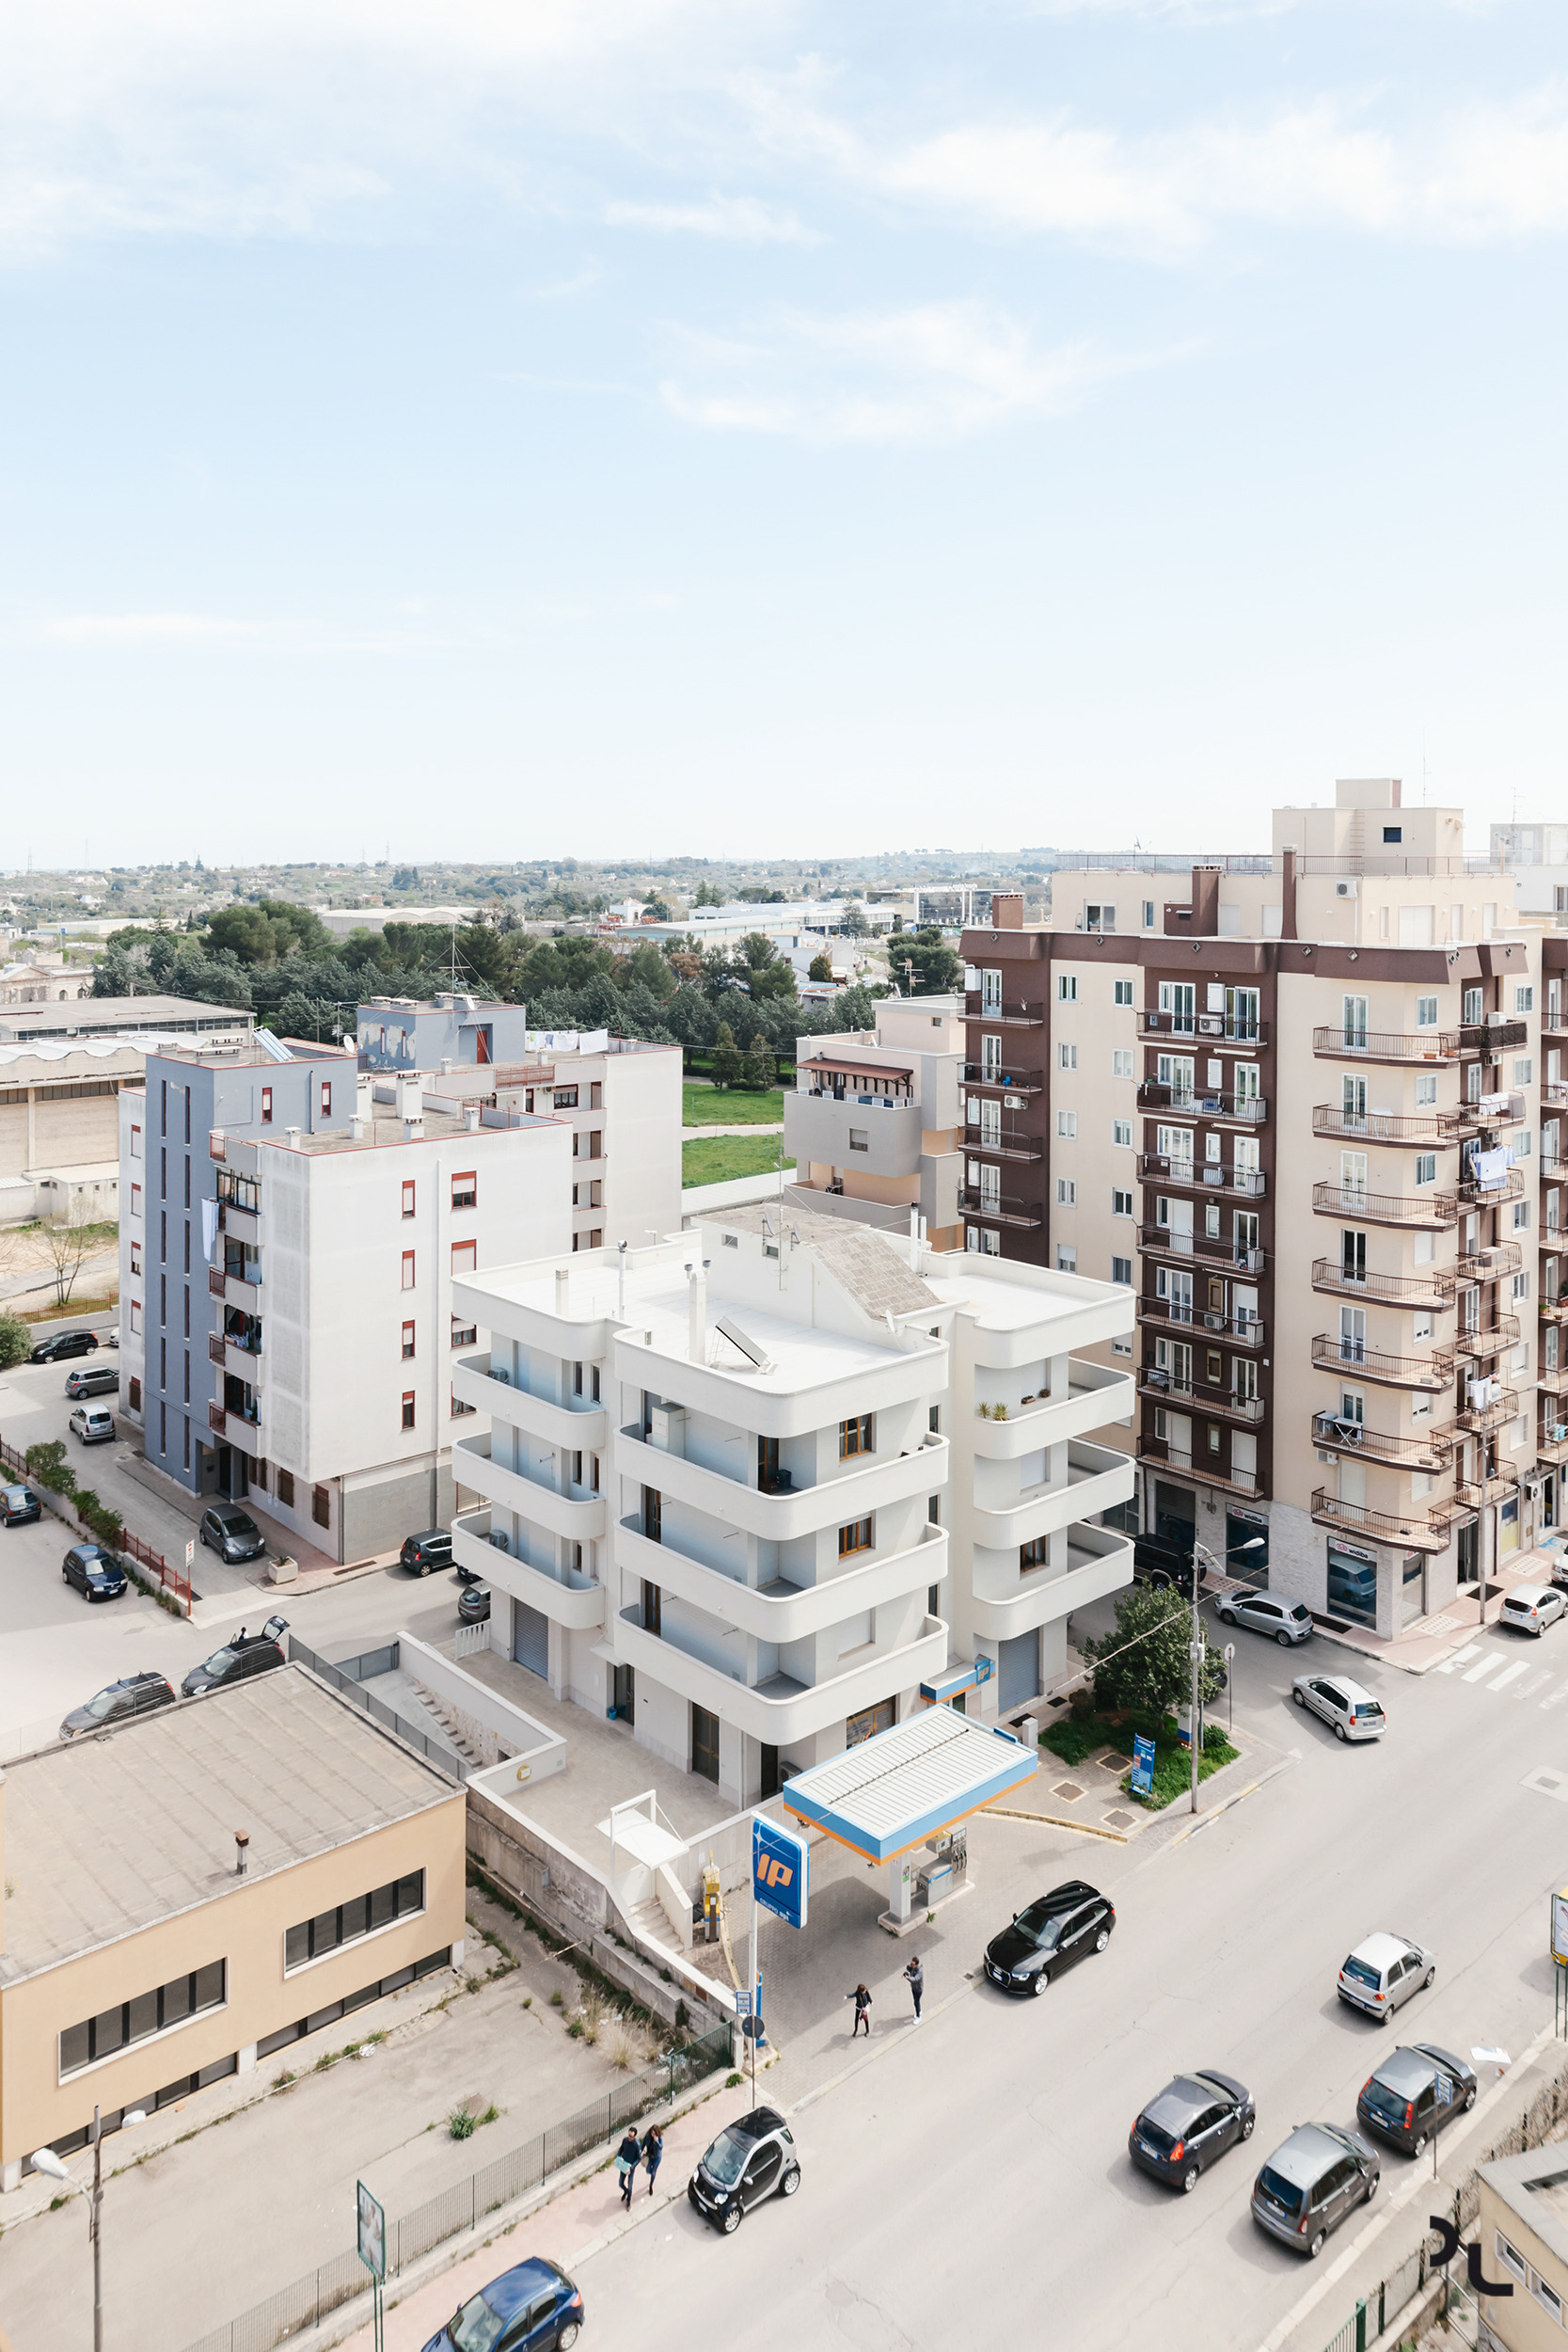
(1502,1331)
(1431,1449)
(1437,1128)
(1154,1094)
(1353,1044)
(217,1420)
(1213,1250)
(1502,1483)
(998,1209)
(1436,1289)
(1554,1090)
(1009,1081)
(1475,1036)
(1213,1028)
(1431,1372)
(1553,1168)
(1489,1264)
(1201,1175)
(1552,1379)
(1164,1387)
(1207,1473)
(216,1281)
(1432,1209)
(214,1348)
(1478,1419)
(1016,1016)
(1177,1316)
(1485,1112)
(1479,1196)
(1549,1447)
(1416,1531)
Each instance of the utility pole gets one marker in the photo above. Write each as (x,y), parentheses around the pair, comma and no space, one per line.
(95,2224)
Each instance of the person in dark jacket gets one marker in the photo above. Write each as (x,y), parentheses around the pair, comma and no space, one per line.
(653,2153)
(628,2158)
(914,1977)
(862,2000)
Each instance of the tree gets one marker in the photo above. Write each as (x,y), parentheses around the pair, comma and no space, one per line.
(852,922)
(760,1069)
(658,908)
(1146,1664)
(16,1342)
(821,968)
(66,1242)
(648,965)
(707,896)
(727,1066)
(926,964)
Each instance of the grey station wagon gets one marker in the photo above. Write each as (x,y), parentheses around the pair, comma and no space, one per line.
(1311,2182)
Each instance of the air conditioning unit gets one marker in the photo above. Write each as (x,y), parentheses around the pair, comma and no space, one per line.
(1344,890)
(504,1377)
(498,1540)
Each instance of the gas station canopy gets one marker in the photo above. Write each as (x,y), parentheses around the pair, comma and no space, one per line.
(910,1784)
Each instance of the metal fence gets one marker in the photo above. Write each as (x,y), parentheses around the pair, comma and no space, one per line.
(320,2292)
(172,1579)
(352,1673)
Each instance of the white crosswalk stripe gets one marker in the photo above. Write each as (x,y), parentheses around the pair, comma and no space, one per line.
(1459,1657)
(1509,1674)
(1479,1673)
(1558,1695)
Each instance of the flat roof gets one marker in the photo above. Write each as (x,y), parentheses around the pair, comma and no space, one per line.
(1002,1303)
(111,1833)
(119,1012)
(904,1786)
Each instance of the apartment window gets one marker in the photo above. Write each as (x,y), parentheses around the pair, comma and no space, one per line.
(187,1249)
(135,1316)
(135,1394)
(465,1257)
(1508,2258)
(409,1343)
(1426,1012)
(1524,999)
(1066,1057)
(1393,832)
(1521,1287)
(1121,1062)
(1426,1167)
(704,1744)
(408,1269)
(321,1506)
(1100,918)
(1121,991)
(1066,1125)
(1122,1131)
(1066,1259)
(408,1199)
(1066,988)
(464,1189)
(327,1098)
(1470,1008)
(286,1490)
(458,1405)
(1426,1090)
(135,1200)
(1121,1203)
(463,1334)
(1149,915)
(135,1143)
(1067,1192)
(860,1139)
(566,1098)
(408,1408)
(1524,1070)
(1521,1220)
(855,1537)
(1523,1145)
(267,1107)
(1121,1271)
(400,1899)
(136,1255)
(854,1435)
(140,2019)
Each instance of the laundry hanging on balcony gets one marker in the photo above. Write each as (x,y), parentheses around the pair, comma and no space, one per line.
(1490,1168)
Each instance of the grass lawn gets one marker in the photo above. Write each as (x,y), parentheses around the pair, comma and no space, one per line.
(1078,1738)
(721,1158)
(705,1106)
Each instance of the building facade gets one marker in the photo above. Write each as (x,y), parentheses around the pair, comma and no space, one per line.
(875,1123)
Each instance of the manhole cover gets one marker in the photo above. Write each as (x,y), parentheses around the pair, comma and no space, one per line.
(1119,1820)
(1113,1763)
(1068,1790)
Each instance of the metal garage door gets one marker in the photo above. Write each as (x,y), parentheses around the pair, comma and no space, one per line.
(530,1638)
(1018,1676)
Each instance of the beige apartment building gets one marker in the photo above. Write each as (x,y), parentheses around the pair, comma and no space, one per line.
(1297,1105)
(875,1126)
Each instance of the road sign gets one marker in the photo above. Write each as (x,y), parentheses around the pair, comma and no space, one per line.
(742,2003)
(190,1552)
(1559,1926)
(779,1870)
(372,2232)
(1143,1765)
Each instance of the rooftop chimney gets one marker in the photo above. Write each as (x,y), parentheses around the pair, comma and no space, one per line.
(1006,911)
(242,1841)
(1287,894)
(696,1345)
(357,1128)
(470,1117)
(292,1136)
(563,1290)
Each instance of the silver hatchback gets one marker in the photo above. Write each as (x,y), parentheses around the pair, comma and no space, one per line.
(1382,1972)
(1311,2182)
(1531,1608)
(1286,1621)
(1354,1713)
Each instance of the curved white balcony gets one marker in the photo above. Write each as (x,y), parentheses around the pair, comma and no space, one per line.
(1099,1562)
(575,1426)
(780,1611)
(781,1711)
(578,1513)
(792,1510)
(1096,1395)
(574,1601)
(1097,1479)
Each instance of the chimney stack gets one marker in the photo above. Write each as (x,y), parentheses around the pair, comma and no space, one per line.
(292,1136)
(563,1290)
(241,1841)
(470,1117)
(696,1314)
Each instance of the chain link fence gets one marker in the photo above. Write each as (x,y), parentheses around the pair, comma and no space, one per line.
(320,2292)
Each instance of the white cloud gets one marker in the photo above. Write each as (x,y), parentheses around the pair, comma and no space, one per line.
(737,220)
(935,372)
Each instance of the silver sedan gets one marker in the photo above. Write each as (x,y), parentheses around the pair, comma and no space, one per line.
(1352,1712)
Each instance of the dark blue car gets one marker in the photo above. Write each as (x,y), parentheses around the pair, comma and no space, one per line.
(532,2308)
(94,1572)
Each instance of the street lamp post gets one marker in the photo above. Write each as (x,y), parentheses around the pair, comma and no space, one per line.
(1197,1647)
(50,2166)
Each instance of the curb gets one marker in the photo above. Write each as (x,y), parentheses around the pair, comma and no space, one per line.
(1054,1821)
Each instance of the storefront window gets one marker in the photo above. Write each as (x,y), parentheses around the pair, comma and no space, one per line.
(1243,1528)
(1412,1589)
(1353,1583)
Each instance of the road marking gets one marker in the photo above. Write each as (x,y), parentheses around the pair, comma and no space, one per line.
(1488,1665)
(1547,1783)
(1558,1695)
(1537,1682)
(1507,1675)
(1459,1657)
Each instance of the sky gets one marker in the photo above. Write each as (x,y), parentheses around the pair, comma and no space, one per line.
(519,428)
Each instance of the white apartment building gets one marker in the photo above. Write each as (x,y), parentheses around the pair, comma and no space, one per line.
(741,1484)
(875,1126)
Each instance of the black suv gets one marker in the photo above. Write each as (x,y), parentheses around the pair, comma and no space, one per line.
(246,1655)
(422,1553)
(1056,1931)
(137,1694)
(751,2158)
(93,1571)
(231,1532)
(64,1343)
(1159,1562)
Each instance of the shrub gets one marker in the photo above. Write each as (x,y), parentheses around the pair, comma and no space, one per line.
(624,2050)
(462,2122)
(46,1467)
(733,2082)
(558,1999)
(16,1342)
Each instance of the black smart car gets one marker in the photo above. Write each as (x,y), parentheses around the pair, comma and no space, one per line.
(1193,2120)
(18,1506)
(751,2158)
(1054,1932)
(246,1655)
(231,1532)
(93,1571)
(135,1694)
(63,1343)
(423,1553)
(1413,2093)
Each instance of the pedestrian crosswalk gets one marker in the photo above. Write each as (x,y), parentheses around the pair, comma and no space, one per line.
(1492,1668)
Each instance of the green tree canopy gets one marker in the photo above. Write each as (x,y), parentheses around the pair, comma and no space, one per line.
(924,964)
(728,1068)
(1145,1664)
(271,928)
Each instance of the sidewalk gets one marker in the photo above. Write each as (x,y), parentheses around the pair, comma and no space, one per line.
(1428,1643)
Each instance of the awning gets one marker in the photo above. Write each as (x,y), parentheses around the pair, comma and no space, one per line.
(859,1068)
(913,1783)
(957,1678)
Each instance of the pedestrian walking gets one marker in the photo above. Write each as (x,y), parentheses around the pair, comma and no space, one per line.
(653,2153)
(862,2000)
(914,1977)
(628,2158)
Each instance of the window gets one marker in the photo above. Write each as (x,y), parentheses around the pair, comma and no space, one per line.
(408,1408)
(1393,832)
(1121,1203)
(1426,1012)
(408,1269)
(1426,1090)
(1034,1553)
(135,1143)
(1521,1220)
(1066,1057)
(1067,1124)
(1066,1193)
(1121,1062)
(135,1316)
(135,1200)
(1121,1271)
(1506,2256)
(327,1098)
(321,1506)
(401,1898)
(408,1199)
(1066,988)
(1066,1259)
(135,1394)
(1426,1167)
(1149,915)
(855,1537)
(854,1437)
(459,1406)
(1121,991)
(1100,918)
(136,1255)
(1524,1069)
(1524,999)
(463,1334)
(140,2019)
(860,1139)
(1470,1010)
(267,1107)
(465,1257)
(464,1189)
(1521,1287)
(1122,1131)
(1524,1144)
(566,1098)
(407,1343)
(286,1490)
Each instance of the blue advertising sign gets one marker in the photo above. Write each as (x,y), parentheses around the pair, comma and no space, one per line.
(1143,1765)
(779,1870)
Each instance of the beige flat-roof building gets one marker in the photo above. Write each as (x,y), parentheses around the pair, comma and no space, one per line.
(139,1960)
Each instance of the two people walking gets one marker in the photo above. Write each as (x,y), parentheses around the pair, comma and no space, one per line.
(914,1977)
(649,2151)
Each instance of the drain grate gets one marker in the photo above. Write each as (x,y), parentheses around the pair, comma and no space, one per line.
(1112,1761)
(1119,1820)
(1068,1790)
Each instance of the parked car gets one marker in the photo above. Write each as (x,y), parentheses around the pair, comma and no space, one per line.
(754,2157)
(532,2308)
(246,1655)
(92,1424)
(1053,1935)
(94,1572)
(426,1552)
(1354,1713)
(474,1605)
(231,1532)
(93,1380)
(1413,2093)
(1191,2123)
(1382,1972)
(18,1505)
(1531,1608)
(1289,1621)
(1311,2182)
(60,1344)
(135,1694)
(1159,1562)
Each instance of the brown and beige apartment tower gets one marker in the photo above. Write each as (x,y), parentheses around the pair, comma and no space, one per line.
(1296,1101)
